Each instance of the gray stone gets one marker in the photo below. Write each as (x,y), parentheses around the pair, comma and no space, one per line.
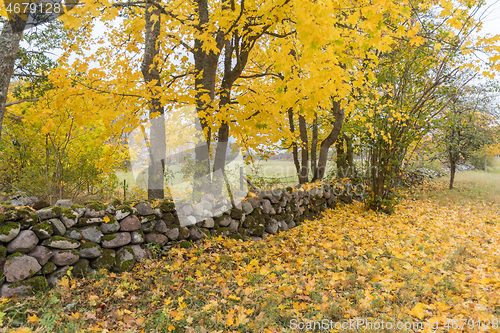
(156,238)
(266,206)
(254,202)
(283,226)
(239,194)
(110,210)
(91,213)
(24,242)
(19,267)
(255,238)
(206,205)
(139,252)
(246,207)
(106,260)
(145,219)
(64,203)
(69,218)
(24,288)
(81,268)
(148,226)
(208,223)
(92,233)
(74,233)
(9,231)
(116,240)
(109,228)
(90,250)
(65,257)
(48,268)
(195,234)
(121,214)
(225,221)
(43,230)
(130,223)
(233,227)
(83,222)
(80,211)
(197,209)
(157,213)
(208,197)
(207,213)
(160,226)
(55,278)
(61,243)
(144,209)
(125,259)
(47,213)
(58,227)
(172,233)
(187,209)
(291,225)
(41,254)
(272,226)
(137,237)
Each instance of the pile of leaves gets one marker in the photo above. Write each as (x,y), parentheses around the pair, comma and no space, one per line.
(422,264)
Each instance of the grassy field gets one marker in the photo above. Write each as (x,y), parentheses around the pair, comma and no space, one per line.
(471,187)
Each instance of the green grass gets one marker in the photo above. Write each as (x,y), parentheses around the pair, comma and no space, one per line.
(471,187)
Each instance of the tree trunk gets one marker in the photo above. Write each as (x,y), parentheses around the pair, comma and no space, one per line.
(338,113)
(314,147)
(9,43)
(453,168)
(341,160)
(304,152)
(206,69)
(150,72)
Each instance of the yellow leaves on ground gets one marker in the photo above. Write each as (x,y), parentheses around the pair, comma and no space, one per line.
(424,263)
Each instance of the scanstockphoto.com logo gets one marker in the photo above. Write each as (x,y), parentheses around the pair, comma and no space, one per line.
(178,144)
(24,15)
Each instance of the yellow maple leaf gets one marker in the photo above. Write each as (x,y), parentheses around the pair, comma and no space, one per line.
(418,310)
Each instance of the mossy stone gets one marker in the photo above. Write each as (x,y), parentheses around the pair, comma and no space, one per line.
(14,255)
(125,208)
(107,260)
(80,268)
(108,238)
(183,232)
(68,213)
(88,245)
(2,217)
(124,259)
(236,236)
(3,252)
(168,217)
(40,204)
(56,210)
(185,244)
(43,230)
(48,268)
(73,206)
(236,214)
(129,202)
(37,283)
(7,227)
(167,206)
(116,203)
(96,206)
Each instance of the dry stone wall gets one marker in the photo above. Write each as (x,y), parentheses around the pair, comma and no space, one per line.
(40,246)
